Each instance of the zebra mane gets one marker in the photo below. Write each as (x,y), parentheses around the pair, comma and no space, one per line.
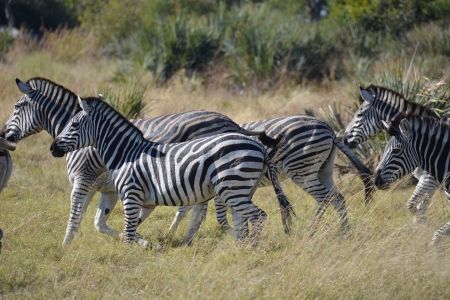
(433,124)
(40,84)
(99,103)
(413,108)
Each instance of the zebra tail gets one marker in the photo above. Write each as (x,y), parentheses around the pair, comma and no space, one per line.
(286,209)
(262,136)
(363,172)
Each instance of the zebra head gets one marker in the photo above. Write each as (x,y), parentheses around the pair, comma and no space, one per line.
(399,157)
(25,119)
(367,120)
(77,133)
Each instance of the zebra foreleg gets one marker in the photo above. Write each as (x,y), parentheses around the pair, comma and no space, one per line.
(198,216)
(105,206)
(80,198)
(420,199)
(131,209)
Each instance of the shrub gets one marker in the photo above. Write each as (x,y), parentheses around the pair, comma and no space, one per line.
(6,40)
(127,96)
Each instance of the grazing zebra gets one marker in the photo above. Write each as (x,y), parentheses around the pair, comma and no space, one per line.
(48,106)
(382,104)
(148,174)
(307,158)
(417,142)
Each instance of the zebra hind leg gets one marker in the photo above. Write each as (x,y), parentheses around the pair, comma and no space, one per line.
(198,216)
(182,211)
(325,176)
(440,233)
(221,214)
(420,199)
(80,197)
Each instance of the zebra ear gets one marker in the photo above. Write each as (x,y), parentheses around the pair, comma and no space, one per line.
(85,105)
(24,87)
(405,128)
(367,94)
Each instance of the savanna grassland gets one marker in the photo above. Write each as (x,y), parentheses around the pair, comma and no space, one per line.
(384,256)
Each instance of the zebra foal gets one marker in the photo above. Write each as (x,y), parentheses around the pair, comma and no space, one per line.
(148,174)
(382,104)
(417,142)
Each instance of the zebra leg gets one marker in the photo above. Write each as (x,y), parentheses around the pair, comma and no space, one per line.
(241,230)
(325,176)
(221,213)
(420,199)
(247,211)
(198,216)
(440,233)
(444,230)
(105,206)
(181,214)
(80,198)
(132,207)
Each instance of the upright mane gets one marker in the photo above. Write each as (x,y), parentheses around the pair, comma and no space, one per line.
(99,103)
(412,108)
(42,85)
(433,124)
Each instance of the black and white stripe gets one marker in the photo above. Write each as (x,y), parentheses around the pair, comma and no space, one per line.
(382,104)
(151,174)
(48,106)
(417,142)
(306,158)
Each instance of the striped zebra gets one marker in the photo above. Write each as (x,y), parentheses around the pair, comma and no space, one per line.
(382,104)
(307,158)
(148,174)
(48,106)
(417,142)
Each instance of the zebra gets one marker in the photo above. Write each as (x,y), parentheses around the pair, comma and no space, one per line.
(48,106)
(417,141)
(307,159)
(149,174)
(383,104)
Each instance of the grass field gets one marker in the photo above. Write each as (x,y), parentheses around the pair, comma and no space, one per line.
(385,256)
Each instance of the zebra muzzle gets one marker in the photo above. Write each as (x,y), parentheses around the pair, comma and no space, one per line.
(56,150)
(8,145)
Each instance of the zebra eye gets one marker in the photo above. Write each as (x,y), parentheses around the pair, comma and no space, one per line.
(75,125)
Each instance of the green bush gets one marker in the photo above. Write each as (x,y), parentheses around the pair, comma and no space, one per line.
(6,40)
(127,96)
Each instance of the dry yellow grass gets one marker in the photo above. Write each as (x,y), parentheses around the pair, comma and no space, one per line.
(384,257)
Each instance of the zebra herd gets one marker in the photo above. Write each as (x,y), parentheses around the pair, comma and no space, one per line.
(186,159)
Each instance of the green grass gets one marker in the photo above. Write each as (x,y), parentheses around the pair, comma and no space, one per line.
(384,256)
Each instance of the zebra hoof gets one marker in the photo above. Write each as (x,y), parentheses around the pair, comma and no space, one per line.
(420,220)
(143,243)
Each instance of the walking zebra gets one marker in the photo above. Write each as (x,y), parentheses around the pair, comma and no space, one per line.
(149,174)
(382,104)
(307,158)
(48,106)
(417,142)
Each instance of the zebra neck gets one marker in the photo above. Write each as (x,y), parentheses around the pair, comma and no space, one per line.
(433,149)
(119,143)
(55,114)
